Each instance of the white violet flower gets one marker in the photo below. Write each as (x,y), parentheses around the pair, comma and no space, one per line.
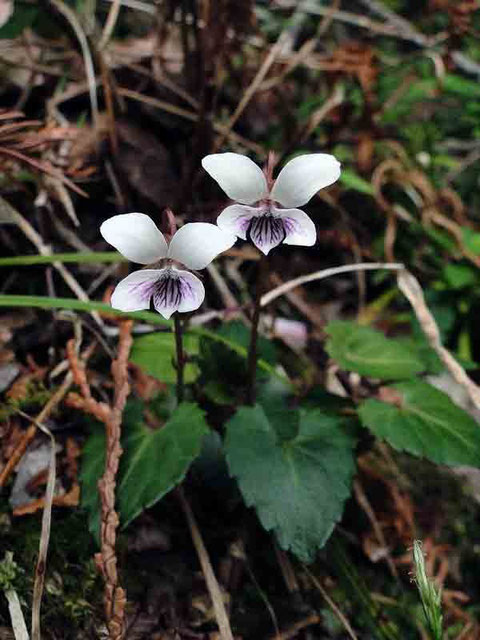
(267,223)
(170,288)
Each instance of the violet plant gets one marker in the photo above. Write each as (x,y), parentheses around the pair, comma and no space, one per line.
(292,454)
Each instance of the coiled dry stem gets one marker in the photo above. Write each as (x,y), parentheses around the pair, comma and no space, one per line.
(111,415)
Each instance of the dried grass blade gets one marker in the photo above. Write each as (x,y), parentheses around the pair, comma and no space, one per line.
(411,289)
(19,627)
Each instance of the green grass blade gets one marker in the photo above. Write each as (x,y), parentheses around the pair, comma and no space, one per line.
(45,302)
(78,257)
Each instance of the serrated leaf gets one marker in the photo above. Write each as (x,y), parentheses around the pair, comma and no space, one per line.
(155,353)
(154,461)
(370,353)
(424,422)
(299,484)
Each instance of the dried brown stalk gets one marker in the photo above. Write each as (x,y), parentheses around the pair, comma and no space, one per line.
(412,290)
(111,416)
(336,611)
(210,578)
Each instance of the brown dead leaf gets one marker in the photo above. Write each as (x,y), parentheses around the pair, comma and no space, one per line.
(21,387)
(70,499)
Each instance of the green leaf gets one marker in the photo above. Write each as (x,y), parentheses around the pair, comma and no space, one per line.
(426,423)
(224,373)
(353,181)
(154,461)
(370,353)
(155,353)
(298,482)
(461,86)
(93,465)
(472,240)
(460,276)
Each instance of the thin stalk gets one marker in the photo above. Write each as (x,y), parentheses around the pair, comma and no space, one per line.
(155,319)
(180,357)
(253,348)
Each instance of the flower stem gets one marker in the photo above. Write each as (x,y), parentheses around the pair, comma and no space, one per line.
(180,357)
(253,350)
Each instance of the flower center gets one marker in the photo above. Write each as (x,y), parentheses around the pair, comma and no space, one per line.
(168,290)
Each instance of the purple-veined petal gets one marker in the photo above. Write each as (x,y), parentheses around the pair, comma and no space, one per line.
(266,232)
(299,228)
(177,290)
(240,178)
(196,244)
(303,176)
(134,292)
(136,236)
(236,219)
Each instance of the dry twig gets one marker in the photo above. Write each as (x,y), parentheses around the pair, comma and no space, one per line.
(44,250)
(40,567)
(72,19)
(412,290)
(336,611)
(325,273)
(16,615)
(111,416)
(211,580)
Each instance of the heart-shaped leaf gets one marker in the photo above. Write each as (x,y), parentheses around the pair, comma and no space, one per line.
(297,478)
(424,421)
(153,461)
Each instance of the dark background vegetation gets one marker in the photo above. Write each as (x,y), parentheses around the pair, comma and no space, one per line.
(391,88)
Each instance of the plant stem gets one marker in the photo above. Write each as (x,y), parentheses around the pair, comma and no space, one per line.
(253,350)
(180,357)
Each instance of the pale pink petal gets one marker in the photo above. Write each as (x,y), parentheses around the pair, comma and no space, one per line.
(134,292)
(240,178)
(196,244)
(236,219)
(177,290)
(136,236)
(303,176)
(298,227)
